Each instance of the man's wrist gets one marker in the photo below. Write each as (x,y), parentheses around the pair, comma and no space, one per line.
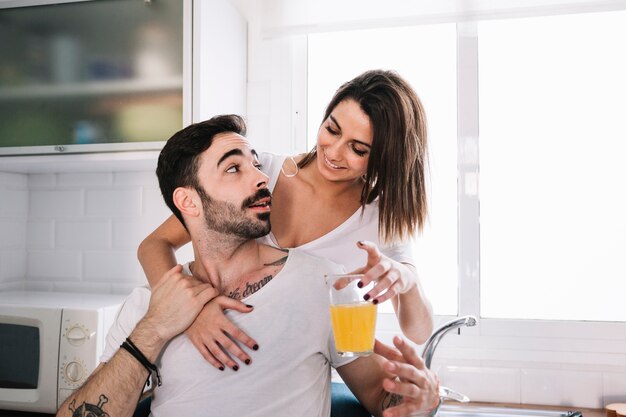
(149,338)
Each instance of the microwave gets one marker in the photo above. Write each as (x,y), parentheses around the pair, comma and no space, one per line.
(50,342)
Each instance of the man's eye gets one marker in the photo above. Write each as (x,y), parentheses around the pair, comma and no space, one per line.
(233,169)
(258,166)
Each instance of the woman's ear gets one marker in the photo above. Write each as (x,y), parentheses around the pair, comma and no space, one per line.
(185,200)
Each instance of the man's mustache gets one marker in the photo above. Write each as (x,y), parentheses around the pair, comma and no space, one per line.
(262,193)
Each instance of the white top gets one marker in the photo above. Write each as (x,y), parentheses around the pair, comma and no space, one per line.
(290,373)
(339,245)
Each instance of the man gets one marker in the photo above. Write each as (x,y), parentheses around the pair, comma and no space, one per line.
(210,178)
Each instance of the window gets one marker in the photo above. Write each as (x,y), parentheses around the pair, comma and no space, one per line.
(547,107)
(552,148)
(426,57)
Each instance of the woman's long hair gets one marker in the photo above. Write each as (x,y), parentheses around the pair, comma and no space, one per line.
(399,155)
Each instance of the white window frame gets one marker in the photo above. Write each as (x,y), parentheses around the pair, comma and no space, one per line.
(573,344)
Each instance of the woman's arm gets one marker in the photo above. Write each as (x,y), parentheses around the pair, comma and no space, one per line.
(414,311)
(400,283)
(212,333)
(156,252)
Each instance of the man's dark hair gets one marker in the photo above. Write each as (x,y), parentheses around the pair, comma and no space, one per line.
(178,161)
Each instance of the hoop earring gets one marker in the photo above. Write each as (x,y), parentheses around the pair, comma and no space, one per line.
(295,173)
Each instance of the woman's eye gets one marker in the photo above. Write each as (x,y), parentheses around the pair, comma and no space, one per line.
(331,130)
(233,169)
(359,152)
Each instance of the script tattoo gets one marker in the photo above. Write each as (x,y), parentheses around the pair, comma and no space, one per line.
(391,400)
(251,288)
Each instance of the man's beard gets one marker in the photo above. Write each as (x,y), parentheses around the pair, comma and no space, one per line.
(226,218)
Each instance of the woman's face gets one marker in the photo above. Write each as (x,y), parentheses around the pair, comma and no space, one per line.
(344,142)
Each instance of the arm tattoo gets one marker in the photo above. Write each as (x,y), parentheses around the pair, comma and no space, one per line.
(86,409)
(250,288)
(391,400)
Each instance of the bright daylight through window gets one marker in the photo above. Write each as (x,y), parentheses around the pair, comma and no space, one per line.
(552,148)
(551,156)
(426,57)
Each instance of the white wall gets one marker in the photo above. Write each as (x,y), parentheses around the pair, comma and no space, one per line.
(13,220)
(77,231)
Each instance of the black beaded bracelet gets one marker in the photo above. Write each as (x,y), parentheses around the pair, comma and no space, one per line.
(129,346)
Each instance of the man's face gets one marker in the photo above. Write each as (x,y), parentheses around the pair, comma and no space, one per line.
(234,193)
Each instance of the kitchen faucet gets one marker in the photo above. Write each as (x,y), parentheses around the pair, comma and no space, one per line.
(435,338)
(431,345)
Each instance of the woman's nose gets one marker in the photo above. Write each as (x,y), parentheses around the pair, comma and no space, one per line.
(333,151)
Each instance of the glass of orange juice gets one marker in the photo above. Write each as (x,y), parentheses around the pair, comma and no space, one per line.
(353,318)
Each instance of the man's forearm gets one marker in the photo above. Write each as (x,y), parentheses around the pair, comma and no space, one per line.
(115,386)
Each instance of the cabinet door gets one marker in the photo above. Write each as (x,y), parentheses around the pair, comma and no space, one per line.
(92,76)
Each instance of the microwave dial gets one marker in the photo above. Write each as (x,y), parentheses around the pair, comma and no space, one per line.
(77,335)
(74,372)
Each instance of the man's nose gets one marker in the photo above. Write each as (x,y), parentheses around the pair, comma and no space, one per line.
(262,180)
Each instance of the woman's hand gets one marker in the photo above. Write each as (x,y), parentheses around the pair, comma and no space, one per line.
(417,385)
(390,276)
(214,335)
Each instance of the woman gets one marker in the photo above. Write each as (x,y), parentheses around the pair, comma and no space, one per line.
(362,187)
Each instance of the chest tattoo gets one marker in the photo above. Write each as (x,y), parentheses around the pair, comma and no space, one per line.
(249,288)
(279,262)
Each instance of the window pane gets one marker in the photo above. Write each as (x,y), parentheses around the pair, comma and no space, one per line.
(426,57)
(552,146)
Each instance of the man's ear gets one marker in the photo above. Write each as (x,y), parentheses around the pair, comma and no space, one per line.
(185,199)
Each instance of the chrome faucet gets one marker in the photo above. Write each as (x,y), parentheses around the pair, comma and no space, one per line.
(429,350)
(435,338)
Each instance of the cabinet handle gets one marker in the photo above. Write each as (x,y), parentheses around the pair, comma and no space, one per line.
(59,148)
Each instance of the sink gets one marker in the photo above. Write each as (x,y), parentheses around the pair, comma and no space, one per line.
(470,411)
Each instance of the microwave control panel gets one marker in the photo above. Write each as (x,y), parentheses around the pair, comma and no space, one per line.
(79,348)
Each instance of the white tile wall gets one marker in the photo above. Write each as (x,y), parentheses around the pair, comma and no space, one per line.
(77,231)
(565,388)
(533,383)
(13,221)
(483,383)
(614,387)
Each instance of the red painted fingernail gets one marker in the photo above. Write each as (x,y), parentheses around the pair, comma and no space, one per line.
(360,242)
(255,347)
(247,361)
(375,301)
(249,306)
(366,297)
(235,368)
(221,368)
(359,284)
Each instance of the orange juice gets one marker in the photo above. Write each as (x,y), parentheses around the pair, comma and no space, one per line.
(354,325)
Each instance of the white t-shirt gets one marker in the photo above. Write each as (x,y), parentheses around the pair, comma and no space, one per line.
(339,245)
(290,373)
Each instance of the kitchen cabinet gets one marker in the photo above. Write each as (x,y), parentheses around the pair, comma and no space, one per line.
(87,77)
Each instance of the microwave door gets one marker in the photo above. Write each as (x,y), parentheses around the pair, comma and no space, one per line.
(29,357)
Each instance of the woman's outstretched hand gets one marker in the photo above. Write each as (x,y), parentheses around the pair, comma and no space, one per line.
(391,277)
(217,338)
